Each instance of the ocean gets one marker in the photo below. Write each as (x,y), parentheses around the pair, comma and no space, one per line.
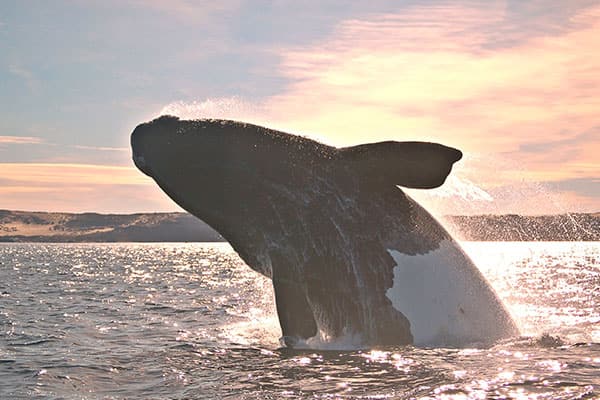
(191,321)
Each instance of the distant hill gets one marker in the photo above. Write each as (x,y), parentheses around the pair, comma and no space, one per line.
(24,226)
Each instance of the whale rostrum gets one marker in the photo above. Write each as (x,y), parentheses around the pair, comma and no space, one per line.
(351,256)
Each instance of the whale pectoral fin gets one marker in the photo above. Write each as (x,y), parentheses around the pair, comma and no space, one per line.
(295,315)
(417,165)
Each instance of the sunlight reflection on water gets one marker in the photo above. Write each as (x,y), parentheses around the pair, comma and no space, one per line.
(192,321)
(549,287)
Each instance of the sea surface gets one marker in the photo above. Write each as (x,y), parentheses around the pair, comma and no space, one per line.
(191,321)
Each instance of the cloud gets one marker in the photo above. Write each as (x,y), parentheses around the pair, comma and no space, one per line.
(581,187)
(188,11)
(438,80)
(102,148)
(565,145)
(26,75)
(84,174)
(88,198)
(429,74)
(79,188)
(20,140)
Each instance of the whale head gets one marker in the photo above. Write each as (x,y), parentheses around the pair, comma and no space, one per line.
(215,167)
(215,163)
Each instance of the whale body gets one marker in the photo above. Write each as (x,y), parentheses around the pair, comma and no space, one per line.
(350,255)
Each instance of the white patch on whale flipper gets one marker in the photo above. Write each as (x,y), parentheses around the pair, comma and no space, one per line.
(445,298)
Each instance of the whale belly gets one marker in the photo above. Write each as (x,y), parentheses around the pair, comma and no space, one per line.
(446,299)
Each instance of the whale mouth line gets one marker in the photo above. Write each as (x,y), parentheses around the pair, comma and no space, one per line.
(139,161)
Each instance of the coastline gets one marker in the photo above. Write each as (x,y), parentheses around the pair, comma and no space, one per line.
(46,227)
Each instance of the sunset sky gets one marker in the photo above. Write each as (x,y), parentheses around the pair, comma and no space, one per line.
(515,85)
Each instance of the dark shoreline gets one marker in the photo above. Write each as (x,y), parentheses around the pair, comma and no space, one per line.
(28,226)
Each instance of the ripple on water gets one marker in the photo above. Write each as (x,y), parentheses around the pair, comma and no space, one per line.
(191,321)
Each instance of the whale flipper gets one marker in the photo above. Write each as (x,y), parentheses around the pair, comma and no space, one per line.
(295,314)
(417,165)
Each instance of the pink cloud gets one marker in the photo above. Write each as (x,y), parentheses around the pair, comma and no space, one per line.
(102,148)
(72,174)
(20,140)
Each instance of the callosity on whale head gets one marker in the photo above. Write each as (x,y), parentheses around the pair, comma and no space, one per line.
(353,259)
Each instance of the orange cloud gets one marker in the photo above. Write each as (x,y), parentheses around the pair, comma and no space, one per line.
(20,140)
(102,148)
(72,174)
(79,188)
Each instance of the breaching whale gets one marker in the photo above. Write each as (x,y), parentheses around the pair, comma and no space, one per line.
(351,256)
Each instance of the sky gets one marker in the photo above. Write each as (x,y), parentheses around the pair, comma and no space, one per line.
(515,85)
